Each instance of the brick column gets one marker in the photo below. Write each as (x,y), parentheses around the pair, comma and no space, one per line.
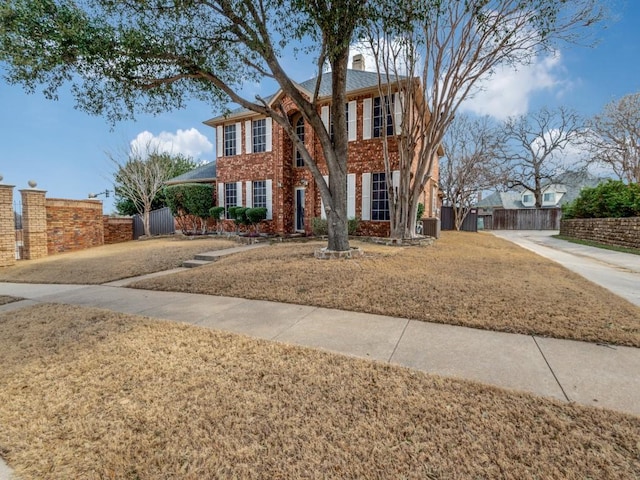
(7,227)
(34,221)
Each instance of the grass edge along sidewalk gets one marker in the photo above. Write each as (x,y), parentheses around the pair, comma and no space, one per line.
(90,393)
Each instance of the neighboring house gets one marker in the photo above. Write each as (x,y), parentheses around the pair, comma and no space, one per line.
(565,190)
(258,166)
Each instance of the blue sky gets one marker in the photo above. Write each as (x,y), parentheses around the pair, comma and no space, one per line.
(63,149)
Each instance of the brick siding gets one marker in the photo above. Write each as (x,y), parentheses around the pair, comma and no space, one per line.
(623,232)
(117,229)
(364,156)
(73,225)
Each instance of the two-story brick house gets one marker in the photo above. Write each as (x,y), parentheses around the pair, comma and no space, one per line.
(257,164)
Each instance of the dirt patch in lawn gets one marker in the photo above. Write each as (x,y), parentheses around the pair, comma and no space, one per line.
(4,299)
(112,262)
(476,280)
(92,394)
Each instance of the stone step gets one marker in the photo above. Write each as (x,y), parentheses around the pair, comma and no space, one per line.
(208,256)
(195,263)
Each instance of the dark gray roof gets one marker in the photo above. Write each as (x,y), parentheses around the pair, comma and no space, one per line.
(356,80)
(203,173)
(575,181)
(501,200)
(570,183)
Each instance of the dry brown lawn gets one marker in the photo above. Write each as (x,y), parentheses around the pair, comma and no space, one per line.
(90,394)
(476,280)
(112,262)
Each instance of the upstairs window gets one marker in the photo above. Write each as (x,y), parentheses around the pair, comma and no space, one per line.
(382,118)
(229,140)
(549,197)
(300,134)
(259,128)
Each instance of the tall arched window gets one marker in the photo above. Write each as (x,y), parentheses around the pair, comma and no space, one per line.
(300,133)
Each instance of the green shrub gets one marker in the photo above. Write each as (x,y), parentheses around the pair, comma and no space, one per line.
(190,204)
(240,215)
(232,212)
(198,199)
(612,199)
(319,226)
(420,212)
(174,198)
(353,225)
(217,213)
(256,215)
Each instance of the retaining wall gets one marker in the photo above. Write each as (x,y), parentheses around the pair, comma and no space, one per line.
(623,232)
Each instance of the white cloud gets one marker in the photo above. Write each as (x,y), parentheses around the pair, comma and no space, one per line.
(190,142)
(508,91)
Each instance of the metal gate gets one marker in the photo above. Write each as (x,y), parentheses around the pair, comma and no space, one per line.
(17,220)
(160,223)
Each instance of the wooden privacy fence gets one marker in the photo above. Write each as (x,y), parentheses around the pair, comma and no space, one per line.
(469,224)
(160,223)
(526,219)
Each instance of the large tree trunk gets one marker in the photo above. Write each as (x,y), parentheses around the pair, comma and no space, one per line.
(337,221)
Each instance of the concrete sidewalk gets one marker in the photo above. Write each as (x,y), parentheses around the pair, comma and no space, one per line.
(589,374)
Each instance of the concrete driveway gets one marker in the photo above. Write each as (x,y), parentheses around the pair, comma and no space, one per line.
(615,271)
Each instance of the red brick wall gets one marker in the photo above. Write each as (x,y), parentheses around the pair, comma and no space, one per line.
(117,229)
(73,225)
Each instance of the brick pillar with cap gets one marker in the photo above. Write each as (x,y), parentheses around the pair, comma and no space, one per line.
(34,221)
(7,227)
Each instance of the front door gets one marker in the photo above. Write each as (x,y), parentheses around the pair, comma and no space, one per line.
(299,211)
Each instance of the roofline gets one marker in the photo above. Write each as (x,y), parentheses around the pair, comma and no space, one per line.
(221,119)
(199,180)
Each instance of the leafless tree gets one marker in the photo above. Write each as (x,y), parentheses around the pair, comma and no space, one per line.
(436,52)
(140,174)
(470,163)
(532,147)
(615,138)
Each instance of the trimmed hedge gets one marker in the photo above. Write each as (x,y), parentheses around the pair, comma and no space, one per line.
(612,199)
(190,200)
(320,228)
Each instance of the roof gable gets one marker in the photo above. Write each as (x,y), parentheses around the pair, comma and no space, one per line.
(203,173)
(357,80)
